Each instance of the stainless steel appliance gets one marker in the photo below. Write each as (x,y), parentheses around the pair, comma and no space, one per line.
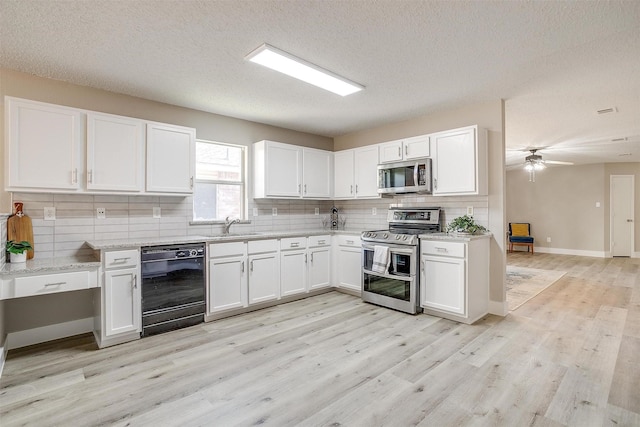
(173,287)
(397,286)
(412,176)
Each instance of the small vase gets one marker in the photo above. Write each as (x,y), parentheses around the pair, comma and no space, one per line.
(17,258)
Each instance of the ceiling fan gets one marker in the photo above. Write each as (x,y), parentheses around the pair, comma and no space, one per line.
(533,162)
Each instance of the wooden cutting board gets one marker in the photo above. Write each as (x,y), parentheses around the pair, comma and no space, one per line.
(19,228)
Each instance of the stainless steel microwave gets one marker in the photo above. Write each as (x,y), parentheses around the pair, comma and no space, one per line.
(413,176)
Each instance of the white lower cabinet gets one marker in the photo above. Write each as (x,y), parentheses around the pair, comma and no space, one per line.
(264,271)
(319,266)
(293,266)
(348,255)
(121,302)
(454,278)
(227,277)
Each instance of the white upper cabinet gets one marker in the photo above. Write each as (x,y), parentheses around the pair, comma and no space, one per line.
(405,149)
(115,153)
(170,158)
(356,173)
(460,162)
(317,173)
(43,148)
(290,171)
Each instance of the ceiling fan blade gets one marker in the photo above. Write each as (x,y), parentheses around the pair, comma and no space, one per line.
(557,162)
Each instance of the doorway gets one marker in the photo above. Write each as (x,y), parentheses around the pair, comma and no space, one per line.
(621,215)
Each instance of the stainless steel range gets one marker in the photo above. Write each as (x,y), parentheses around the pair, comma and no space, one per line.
(390,258)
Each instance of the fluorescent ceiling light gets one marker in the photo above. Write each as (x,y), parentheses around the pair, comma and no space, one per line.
(290,65)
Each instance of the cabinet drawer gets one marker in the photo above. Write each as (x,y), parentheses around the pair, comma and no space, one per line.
(438,247)
(52,283)
(259,246)
(227,249)
(315,241)
(349,241)
(117,259)
(293,243)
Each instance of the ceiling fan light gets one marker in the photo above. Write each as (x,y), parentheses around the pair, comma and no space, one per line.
(539,166)
(528,166)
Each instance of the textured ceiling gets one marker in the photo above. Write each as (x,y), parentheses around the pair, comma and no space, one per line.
(555,63)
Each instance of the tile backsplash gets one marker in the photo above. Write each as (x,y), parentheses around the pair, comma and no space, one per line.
(131,217)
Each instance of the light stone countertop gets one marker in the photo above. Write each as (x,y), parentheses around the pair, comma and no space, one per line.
(49,265)
(454,237)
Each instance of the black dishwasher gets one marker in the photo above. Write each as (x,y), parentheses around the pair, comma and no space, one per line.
(173,287)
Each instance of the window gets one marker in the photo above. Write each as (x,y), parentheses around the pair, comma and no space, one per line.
(219,190)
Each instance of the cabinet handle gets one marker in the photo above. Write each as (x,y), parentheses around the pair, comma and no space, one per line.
(294,245)
(242,267)
(191,183)
(311,257)
(135,281)
(349,242)
(90,173)
(406,150)
(356,188)
(435,183)
(251,266)
(55,284)
(305,258)
(441,249)
(299,188)
(305,189)
(422,262)
(351,190)
(399,152)
(321,242)
(74,176)
(120,260)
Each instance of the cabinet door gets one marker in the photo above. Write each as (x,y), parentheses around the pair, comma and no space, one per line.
(227,283)
(442,284)
(319,268)
(343,184)
(350,268)
(43,150)
(264,277)
(293,271)
(391,151)
(317,173)
(170,158)
(455,165)
(283,170)
(366,169)
(416,147)
(122,301)
(115,153)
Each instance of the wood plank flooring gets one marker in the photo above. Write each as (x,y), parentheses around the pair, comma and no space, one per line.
(570,356)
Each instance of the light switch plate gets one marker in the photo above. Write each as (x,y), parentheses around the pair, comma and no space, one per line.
(548,239)
(470,210)
(157,212)
(274,211)
(374,211)
(317,211)
(50,214)
(101,213)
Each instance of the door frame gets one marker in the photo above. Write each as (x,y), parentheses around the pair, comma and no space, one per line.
(611,194)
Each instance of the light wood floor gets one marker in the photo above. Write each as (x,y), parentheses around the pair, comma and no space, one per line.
(570,356)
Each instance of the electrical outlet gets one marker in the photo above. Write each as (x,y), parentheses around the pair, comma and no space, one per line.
(548,239)
(157,212)
(317,211)
(597,204)
(274,211)
(49,214)
(470,210)
(374,211)
(101,213)
(255,211)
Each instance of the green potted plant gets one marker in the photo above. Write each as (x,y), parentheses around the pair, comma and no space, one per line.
(465,225)
(18,250)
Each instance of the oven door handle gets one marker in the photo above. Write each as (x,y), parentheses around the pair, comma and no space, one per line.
(393,249)
(389,276)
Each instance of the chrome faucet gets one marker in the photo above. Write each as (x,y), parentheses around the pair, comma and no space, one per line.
(228,223)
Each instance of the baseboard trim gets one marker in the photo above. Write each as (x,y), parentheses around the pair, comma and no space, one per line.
(577,252)
(48,333)
(499,308)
